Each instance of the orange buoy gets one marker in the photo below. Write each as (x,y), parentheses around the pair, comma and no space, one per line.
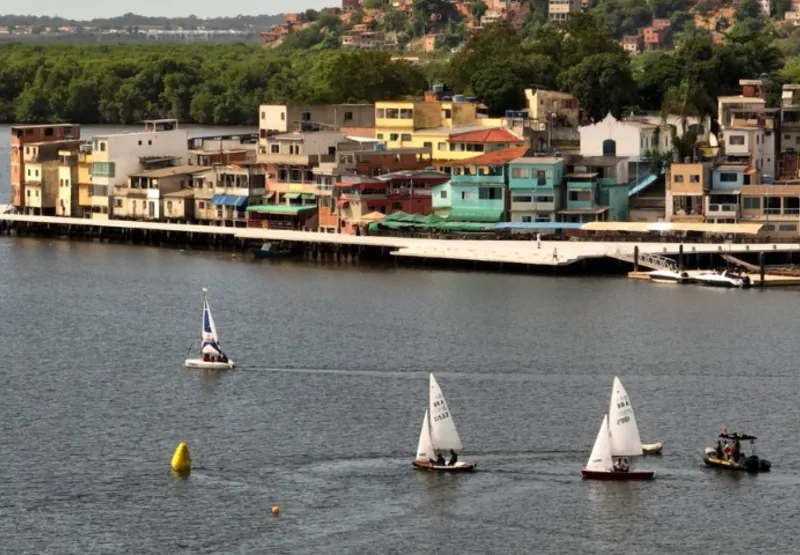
(276,510)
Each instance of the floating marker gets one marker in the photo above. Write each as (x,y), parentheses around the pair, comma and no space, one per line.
(276,510)
(182,460)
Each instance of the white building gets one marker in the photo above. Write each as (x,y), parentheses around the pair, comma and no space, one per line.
(283,118)
(628,138)
(559,10)
(115,157)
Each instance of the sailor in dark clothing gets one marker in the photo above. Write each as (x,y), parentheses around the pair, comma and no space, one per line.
(440,460)
(453,458)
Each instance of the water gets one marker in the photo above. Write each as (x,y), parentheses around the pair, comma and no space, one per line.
(322,417)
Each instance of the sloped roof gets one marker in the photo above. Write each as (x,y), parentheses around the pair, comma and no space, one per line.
(492,158)
(493,135)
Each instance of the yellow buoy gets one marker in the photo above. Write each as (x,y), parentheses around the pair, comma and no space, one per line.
(276,510)
(182,460)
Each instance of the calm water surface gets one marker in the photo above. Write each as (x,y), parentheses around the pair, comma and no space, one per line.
(323,416)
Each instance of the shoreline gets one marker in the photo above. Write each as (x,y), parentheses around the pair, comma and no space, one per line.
(563,257)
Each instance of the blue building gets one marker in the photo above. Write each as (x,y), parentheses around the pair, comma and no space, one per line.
(478,188)
(536,187)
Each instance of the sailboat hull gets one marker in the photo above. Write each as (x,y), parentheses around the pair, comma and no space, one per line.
(617,476)
(458,467)
(200,364)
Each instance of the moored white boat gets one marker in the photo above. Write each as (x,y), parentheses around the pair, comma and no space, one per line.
(212,357)
(669,276)
(438,434)
(652,448)
(618,443)
(722,279)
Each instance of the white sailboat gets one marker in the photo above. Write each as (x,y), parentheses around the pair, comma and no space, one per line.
(438,434)
(212,357)
(617,442)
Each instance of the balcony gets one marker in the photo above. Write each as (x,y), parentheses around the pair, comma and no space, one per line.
(723,210)
(295,159)
(688,218)
(533,206)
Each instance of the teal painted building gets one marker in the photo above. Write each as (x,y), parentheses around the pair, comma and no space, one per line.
(478,188)
(597,190)
(536,189)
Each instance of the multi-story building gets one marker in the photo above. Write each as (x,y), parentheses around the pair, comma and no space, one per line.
(788,167)
(343,118)
(223,193)
(43,188)
(150,195)
(115,157)
(478,188)
(632,44)
(536,188)
(22,138)
(597,190)
(67,203)
(226,149)
(687,188)
(560,10)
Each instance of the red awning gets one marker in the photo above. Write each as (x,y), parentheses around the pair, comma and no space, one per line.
(342,203)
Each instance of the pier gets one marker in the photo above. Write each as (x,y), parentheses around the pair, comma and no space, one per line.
(493,252)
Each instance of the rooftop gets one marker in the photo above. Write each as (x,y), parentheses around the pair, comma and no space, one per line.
(492,135)
(173,170)
(599,161)
(492,158)
(183,193)
(44,125)
(538,160)
(298,136)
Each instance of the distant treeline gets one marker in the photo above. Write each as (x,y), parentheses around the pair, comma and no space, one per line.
(208,84)
(133,20)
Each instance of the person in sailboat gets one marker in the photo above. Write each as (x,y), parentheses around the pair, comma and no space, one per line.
(621,465)
(453,458)
(440,460)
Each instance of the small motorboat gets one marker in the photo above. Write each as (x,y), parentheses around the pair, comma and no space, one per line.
(617,442)
(212,357)
(728,454)
(652,448)
(438,434)
(271,250)
(723,279)
(669,276)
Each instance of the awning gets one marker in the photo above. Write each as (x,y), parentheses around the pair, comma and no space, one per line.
(725,192)
(293,196)
(229,200)
(583,211)
(539,225)
(268,195)
(342,203)
(308,196)
(644,227)
(281,209)
(465,214)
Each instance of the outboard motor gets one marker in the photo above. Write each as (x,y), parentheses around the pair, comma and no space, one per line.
(752,463)
(765,465)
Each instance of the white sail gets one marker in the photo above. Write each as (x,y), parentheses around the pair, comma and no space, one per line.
(425,447)
(625,440)
(209,329)
(444,435)
(600,459)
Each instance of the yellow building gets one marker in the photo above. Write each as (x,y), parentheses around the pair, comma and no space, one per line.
(439,126)
(85,181)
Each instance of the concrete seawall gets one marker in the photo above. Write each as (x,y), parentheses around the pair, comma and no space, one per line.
(556,256)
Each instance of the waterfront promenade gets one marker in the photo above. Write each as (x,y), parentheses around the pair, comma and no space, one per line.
(518,252)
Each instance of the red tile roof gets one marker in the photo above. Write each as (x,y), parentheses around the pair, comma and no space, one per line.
(496,135)
(493,158)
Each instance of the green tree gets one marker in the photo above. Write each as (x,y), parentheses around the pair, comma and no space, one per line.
(602,83)
(477,10)
(499,87)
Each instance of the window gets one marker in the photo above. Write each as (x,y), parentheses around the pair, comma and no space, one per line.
(541,178)
(464,195)
(427,145)
(736,140)
(521,198)
(787,227)
(118,203)
(294,149)
(442,146)
(348,116)
(797,140)
(263,116)
(394,137)
(545,199)
(103,169)
(526,219)
(572,195)
(133,205)
(380,113)
(275,149)
(443,194)
(150,143)
(694,178)
(379,136)
(169,205)
(305,116)
(520,173)
(283,116)
(728,177)
(102,146)
(677,178)
(201,205)
(48,131)
(490,193)
(447,114)
(405,137)
(751,203)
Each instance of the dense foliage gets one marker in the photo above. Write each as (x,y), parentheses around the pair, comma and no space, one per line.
(225,84)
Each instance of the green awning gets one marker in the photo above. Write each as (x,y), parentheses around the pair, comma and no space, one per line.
(469,214)
(308,196)
(293,196)
(281,209)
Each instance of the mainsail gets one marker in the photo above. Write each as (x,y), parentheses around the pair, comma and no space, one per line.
(210,340)
(444,435)
(625,440)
